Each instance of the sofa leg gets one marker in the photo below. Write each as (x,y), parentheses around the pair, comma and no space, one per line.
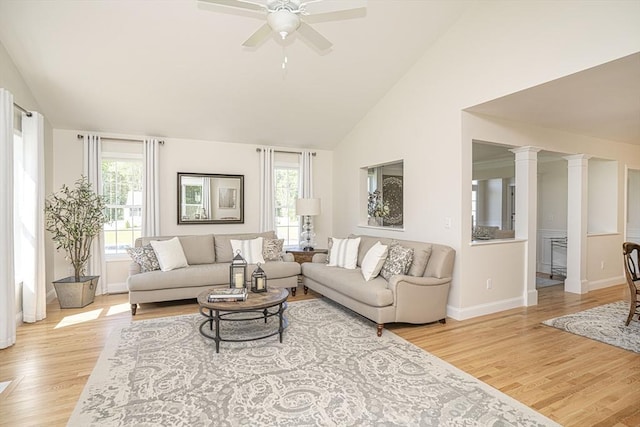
(134,307)
(443,321)
(380,327)
(305,289)
(293,291)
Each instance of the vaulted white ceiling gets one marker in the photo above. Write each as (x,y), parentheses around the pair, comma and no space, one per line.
(177,68)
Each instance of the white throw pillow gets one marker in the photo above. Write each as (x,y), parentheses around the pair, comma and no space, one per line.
(251,250)
(344,253)
(169,253)
(373,261)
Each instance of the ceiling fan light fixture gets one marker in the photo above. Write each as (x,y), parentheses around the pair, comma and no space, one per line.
(283,22)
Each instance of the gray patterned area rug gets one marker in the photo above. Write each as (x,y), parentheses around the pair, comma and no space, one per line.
(604,323)
(330,370)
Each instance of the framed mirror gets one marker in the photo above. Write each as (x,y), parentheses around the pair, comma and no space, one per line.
(207,198)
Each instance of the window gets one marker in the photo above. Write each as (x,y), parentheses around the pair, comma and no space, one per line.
(122,188)
(286,193)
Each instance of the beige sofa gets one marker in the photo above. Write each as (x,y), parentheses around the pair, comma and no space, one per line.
(418,297)
(209,257)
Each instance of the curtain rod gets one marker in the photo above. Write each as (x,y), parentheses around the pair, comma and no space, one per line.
(285,151)
(120,139)
(28,113)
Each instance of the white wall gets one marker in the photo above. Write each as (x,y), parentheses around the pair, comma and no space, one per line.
(496,49)
(183,155)
(603,193)
(11,79)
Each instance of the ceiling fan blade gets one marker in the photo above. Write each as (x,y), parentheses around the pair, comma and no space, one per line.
(338,15)
(311,7)
(258,37)
(240,4)
(314,37)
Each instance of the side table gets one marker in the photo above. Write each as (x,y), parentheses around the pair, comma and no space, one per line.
(300,256)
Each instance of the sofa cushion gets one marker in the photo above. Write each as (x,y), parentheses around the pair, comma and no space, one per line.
(222,243)
(373,261)
(192,275)
(344,253)
(350,283)
(198,249)
(398,261)
(169,253)
(421,251)
(421,255)
(366,243)
(204,275)
(249,249)
(146,258)
(277,269)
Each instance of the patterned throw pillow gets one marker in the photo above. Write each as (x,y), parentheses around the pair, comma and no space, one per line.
(272,249)
(145,256)
(329,246)
(398,261)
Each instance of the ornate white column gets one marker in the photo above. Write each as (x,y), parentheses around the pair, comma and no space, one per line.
(577,207)
(526,215)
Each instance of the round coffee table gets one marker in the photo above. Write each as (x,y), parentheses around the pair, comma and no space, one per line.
(258,303)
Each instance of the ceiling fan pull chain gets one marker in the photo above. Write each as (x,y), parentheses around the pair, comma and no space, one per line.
(285,61)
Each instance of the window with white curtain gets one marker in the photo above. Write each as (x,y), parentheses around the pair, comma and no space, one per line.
(17,189)
(122,188)
(286,192)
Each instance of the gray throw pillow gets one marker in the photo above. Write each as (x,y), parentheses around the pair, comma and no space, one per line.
(145,256)
(398,261)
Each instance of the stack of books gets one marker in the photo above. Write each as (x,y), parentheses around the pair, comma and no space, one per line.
(227,294)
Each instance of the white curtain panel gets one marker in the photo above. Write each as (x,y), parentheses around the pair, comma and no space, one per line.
(7,273)
(31,219)
(151,189)
(93,172)
(267,184)
(306,175)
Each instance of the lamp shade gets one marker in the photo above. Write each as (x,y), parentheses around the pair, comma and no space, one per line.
(308,207)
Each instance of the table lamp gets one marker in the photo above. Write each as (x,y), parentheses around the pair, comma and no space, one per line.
(308,208)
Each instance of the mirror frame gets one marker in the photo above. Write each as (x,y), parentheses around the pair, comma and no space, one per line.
(235,203)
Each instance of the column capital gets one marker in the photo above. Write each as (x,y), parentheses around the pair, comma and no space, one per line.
(525,149)
(577,157)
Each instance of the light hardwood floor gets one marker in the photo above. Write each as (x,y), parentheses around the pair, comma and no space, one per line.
(572,380)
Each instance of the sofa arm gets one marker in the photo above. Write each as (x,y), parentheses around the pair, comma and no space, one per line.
(413,280)
(134,268)
(288,257)
(420,299)
(319,258)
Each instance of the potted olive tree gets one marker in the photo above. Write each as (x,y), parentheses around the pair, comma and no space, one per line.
(74,217)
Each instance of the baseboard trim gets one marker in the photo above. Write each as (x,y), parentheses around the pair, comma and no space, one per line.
(117,288)
(606,283)
(484,309)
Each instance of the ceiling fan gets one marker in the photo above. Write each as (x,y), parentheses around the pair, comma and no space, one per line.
(285,17)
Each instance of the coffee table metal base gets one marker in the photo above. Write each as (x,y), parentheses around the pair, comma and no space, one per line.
(214,317)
